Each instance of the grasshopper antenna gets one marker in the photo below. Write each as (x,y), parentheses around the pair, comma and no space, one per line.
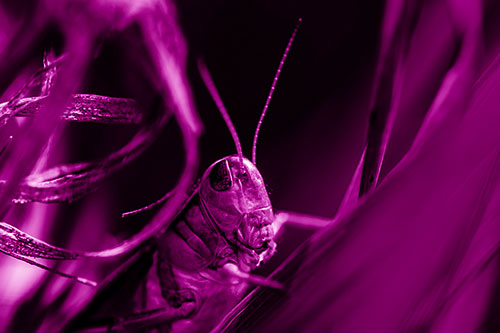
(150,206)
(273,86)
(209,83)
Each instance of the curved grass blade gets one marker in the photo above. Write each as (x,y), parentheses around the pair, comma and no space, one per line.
(21,246)
(67,183)
(15,242)
(82,108)
(78,279)
(387,90)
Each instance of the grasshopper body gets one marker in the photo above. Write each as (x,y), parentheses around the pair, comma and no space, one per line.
(199,267)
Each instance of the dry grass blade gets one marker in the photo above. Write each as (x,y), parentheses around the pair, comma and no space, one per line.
(84,108)
(14,241)
(387,90)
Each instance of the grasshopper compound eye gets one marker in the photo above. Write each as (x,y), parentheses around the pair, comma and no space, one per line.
(220,176)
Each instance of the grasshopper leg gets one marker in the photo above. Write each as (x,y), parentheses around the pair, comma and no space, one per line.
(157,317)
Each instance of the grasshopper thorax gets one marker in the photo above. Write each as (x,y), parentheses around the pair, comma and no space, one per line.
(235,198)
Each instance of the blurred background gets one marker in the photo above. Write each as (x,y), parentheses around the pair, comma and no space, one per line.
(309,145)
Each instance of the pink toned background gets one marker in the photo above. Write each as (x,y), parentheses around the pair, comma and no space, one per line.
(402,252)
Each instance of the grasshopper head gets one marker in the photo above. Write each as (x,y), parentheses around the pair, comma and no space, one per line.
(235,197)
